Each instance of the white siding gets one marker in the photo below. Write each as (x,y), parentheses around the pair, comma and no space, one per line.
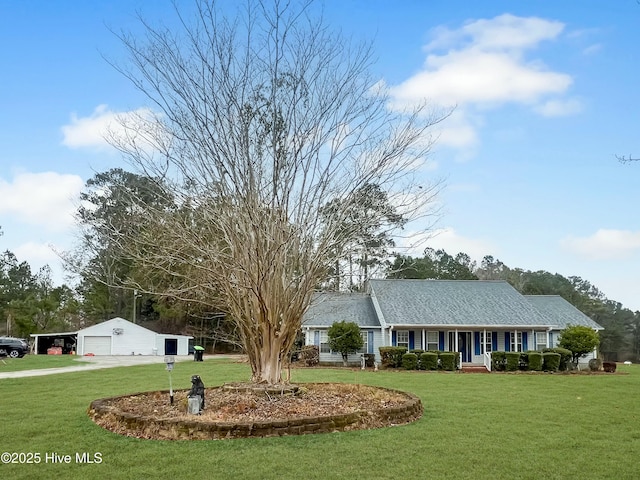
(334,357)
(128,339)
(183,344)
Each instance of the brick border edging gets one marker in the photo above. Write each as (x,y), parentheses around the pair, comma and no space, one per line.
(100,411)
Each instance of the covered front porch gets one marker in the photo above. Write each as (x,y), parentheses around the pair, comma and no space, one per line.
(475,344)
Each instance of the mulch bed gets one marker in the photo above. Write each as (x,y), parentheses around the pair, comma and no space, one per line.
(244,406)
(222,405)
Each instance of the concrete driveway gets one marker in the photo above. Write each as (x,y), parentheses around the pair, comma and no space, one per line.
(95,363)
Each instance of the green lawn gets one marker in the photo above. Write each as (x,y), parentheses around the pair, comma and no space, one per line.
(474,426)
(36,362)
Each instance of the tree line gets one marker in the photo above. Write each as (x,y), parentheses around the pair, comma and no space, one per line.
(117,199)
(620,339)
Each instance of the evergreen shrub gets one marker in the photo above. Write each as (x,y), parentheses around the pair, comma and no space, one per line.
(429,361)
(391,357)
(498,361)
(448,360)
(565,357)
(535,361)
(512,361)
(550,361)
(410,361)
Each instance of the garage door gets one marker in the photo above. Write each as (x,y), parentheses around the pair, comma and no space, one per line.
(97,345)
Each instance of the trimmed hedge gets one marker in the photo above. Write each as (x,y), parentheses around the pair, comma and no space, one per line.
(392,356)
(418,352)
(535,361)
(429,361)
(550,361)
(498,361)
(565,357)
(448,360)
(523,361)
(398,357)
(410,361)
(512,361)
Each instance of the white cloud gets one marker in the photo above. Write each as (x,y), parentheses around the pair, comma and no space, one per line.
(446,239)
(94,130)
(44,199)
(481,78)
(592,49)
(502,32)
(605,244)
(558,108)
(483,65)
(457,131)
(37,254)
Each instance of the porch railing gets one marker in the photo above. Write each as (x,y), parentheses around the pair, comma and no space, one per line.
(487,360)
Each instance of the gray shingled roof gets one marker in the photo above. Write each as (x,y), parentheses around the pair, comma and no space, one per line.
(560,312)
(327,308)
(454,302)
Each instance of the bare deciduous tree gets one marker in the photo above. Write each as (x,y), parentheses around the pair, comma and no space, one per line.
(259,122)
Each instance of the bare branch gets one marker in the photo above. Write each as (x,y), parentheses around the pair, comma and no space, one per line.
(259,123)
(623,159)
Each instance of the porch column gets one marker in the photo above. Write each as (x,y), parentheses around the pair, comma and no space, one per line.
(390,336)
(534,340)
(456,341)
(483,344)
(424,340)
(515,341)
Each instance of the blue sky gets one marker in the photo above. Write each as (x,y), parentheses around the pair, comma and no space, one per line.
(546,95)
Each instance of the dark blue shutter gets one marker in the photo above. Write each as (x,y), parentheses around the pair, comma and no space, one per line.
(494,341)
(412,340)
(393,338)
(550,339)
(507,341)
(316,338)
(476,341)
(370,342)
(525,345)
(441,341)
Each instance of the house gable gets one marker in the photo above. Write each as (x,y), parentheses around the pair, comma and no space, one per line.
(106,327)
(328,308)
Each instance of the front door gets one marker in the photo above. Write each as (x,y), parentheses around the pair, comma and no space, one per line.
(464,346)
(170,346)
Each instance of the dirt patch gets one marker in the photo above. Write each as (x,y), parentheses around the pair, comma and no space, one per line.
(240,412)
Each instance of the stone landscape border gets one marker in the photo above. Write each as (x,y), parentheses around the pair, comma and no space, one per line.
(104,413)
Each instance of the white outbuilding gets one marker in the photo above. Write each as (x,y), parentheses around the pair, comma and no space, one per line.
(121,337)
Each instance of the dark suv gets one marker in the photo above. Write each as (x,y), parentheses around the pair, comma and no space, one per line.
(13,347)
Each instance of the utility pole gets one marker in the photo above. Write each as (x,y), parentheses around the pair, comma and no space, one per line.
(135,296)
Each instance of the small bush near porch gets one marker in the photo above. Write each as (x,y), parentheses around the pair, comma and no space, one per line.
(397,357)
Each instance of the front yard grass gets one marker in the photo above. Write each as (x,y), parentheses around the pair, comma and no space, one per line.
(37,362)
(475,426)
